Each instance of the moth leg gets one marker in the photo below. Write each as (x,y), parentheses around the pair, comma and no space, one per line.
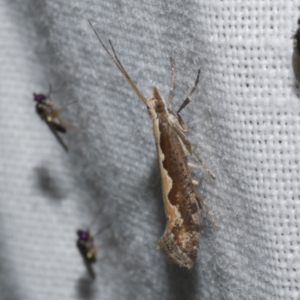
(171,92)
(204,166)
(202,204)
(195,182)
(204,210)
(193,166)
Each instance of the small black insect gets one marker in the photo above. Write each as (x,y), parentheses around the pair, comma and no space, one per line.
(296,53)
(86,247)
(46,110)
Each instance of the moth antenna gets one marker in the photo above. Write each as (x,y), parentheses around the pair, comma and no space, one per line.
(116,56)
(194,87)
(117,62)
(183,105)
(124,72)
(171,92)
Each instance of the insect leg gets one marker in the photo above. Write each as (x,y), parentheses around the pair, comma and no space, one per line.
(204,210)
(204,166)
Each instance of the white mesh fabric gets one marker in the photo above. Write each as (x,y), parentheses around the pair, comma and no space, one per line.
(243,119)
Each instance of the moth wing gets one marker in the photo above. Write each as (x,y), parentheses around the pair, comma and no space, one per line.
(182,123)
(185,143)
(188,149)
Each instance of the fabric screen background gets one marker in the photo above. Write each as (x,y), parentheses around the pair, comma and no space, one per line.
(244,122)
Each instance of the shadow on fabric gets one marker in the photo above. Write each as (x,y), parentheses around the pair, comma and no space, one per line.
(182,282)
(48,184)
(85,288)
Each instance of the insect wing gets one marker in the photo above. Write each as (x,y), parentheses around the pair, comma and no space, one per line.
(60,140)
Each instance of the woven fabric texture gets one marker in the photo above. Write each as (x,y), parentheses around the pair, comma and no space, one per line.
(244,123)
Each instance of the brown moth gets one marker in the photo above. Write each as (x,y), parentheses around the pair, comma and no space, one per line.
(181,200)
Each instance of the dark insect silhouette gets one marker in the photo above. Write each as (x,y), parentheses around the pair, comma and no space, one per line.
(50,115)
(87,249)
(86,246)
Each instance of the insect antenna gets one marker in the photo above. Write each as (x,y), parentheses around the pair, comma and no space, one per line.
(187,99)
(101,230)
(183,105)
(171,92)
(117,62)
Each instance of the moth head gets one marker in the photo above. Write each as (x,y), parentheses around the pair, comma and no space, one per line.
(156,102)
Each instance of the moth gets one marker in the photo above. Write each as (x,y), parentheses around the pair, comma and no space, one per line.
(182,202)
(46,110)
(296,52)
(87,249)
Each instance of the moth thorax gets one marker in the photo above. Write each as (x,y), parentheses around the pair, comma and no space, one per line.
(172,118)
(155,106)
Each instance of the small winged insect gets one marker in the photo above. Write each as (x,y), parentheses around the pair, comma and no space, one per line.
(296,52)
(87,248)
(46,110)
